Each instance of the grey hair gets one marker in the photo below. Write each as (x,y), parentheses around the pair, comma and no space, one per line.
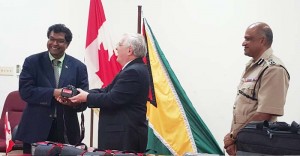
(137,42)
(269,34)
(265,30)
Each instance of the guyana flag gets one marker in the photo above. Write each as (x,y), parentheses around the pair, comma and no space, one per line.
(175,128)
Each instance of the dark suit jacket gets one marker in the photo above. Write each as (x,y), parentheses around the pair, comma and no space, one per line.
(122,119)
(36,86)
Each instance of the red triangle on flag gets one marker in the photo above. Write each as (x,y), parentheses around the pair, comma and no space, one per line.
(7,130)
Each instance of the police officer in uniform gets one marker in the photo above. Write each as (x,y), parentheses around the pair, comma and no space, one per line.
(263,87)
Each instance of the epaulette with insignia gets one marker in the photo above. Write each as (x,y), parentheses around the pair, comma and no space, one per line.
(271,62)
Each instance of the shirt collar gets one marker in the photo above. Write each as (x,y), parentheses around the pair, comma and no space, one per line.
(60,59)
(261,59)
(126,64)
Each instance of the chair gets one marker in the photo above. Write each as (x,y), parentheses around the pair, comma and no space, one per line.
(14,105)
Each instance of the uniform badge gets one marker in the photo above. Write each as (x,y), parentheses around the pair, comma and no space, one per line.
(249,79)
(271,62)
(260,61)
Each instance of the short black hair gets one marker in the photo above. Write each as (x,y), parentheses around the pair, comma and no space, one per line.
(57,28)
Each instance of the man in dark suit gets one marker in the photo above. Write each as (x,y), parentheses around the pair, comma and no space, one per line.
(122,120)
(44,118)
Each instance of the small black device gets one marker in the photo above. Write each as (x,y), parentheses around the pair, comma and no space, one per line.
(69,91)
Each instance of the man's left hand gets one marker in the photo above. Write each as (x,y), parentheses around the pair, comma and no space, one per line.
(231,150)
(228,140)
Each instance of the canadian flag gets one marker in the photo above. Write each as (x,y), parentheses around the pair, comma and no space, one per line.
(100,57)
(7,130)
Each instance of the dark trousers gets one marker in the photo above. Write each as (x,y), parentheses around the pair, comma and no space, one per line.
(56,134)
(26,148)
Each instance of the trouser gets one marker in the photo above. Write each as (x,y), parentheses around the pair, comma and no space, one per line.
(56,134)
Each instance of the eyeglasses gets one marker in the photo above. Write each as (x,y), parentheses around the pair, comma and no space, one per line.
(58,41)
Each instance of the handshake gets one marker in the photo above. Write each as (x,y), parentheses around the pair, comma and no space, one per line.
(69,91)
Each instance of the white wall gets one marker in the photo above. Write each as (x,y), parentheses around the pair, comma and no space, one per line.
(201,39)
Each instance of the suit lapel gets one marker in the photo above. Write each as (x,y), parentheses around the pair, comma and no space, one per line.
(48,68)
(65,72)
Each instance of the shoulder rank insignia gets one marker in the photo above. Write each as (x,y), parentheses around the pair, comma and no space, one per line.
(260,61)
(271,62)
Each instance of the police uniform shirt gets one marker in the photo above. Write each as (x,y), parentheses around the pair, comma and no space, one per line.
(270,90)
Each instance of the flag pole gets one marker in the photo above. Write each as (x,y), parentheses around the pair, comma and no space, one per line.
(139,19)
(92,128)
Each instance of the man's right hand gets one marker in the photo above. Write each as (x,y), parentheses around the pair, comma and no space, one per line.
(57,92)
(79,98)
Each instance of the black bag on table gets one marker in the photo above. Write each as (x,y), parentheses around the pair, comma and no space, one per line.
(49,148)
(274,138)
(56,149)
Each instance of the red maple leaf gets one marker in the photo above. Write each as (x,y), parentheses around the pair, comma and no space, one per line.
(108,67)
